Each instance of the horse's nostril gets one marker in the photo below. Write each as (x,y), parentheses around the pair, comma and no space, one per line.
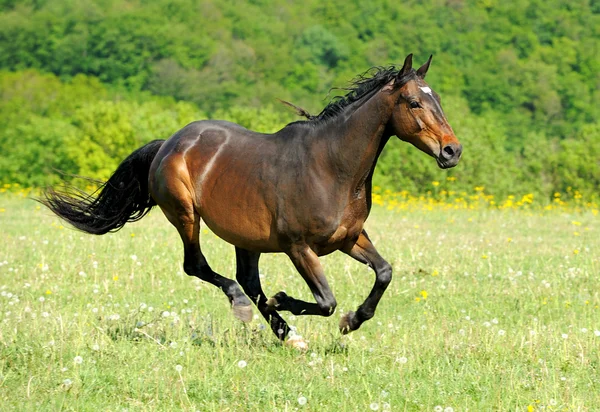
(449,151)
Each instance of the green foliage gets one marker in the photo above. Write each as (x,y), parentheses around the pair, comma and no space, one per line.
(49,126)
(34,150)
(523,75)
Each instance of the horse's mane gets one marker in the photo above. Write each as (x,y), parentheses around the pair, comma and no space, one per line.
(364,84)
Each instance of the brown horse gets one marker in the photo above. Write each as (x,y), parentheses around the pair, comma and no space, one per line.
(304,190)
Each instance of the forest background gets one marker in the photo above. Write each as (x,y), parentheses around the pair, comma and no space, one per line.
(83,83)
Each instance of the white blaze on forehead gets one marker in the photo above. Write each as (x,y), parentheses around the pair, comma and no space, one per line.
(425,90)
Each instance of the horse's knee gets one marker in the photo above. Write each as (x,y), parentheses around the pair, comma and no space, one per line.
(196,270)
(384,275)
(327,306)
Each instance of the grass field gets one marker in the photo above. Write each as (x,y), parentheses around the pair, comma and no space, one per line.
(488,310)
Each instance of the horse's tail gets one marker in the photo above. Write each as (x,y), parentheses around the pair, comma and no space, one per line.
(123,198)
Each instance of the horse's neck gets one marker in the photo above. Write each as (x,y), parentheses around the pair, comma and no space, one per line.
(357,138)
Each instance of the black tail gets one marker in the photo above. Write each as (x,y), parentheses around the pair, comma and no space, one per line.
(123,198)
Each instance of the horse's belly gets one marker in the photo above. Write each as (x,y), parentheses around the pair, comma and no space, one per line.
(245,227)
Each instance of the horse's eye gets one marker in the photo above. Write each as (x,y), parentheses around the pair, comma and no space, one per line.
(415,105)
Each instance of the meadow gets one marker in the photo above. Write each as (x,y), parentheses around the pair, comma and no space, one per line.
(494,305)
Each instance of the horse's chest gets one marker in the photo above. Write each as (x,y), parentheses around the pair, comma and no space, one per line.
(346,232)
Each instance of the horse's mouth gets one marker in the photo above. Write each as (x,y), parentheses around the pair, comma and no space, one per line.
(447,164)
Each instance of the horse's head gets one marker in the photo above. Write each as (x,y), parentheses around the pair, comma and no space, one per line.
(418,117)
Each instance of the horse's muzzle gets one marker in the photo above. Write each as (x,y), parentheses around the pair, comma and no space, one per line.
(450,155)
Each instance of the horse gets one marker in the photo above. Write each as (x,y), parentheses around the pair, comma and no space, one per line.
(304,190)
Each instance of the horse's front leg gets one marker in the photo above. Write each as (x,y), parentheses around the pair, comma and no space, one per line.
(308,265)
(364,251)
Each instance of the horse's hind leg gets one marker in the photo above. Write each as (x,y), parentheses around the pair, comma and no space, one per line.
(248,277)
(187,222)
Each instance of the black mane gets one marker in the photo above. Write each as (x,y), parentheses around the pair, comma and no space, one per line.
(364,84)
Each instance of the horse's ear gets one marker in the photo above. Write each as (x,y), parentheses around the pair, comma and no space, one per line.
(407,66)
(423,69)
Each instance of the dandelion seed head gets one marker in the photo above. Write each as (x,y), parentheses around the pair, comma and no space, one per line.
(302,401)
(242,364)
(78,360)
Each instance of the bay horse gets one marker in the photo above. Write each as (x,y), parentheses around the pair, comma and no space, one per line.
(304,190)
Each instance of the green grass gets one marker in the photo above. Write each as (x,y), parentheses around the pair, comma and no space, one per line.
(511,319)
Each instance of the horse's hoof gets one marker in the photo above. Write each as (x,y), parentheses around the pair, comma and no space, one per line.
(275,302)
(243,312)
(297,342)
(272,303)
(345,327)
